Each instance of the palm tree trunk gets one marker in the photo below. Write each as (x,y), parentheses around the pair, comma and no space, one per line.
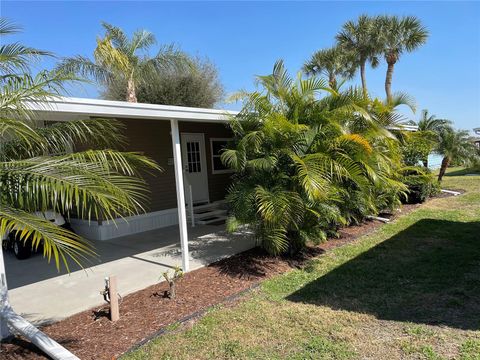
(364,78)
(443,168)
(131,91)
(332,81)
(388,81)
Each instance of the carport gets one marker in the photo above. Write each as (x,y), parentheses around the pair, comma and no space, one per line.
(41,294)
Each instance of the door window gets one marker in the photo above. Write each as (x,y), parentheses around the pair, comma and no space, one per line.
(193,157)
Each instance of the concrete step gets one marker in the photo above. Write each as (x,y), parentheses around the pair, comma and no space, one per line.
(212,220)
(211,205)
(208,214)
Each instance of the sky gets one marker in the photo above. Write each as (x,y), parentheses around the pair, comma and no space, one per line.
(245,39)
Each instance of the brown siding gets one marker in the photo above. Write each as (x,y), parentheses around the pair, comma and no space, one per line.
(152,137)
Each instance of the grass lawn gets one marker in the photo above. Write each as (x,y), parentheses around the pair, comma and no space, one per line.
(410,290)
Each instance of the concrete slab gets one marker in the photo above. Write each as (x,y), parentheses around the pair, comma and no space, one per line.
(41,294)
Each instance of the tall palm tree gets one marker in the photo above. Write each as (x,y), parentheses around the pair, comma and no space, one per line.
(332,63)
(39,173)
(361,39)
(430,123)
(454,146)
(397,36)
(118,57)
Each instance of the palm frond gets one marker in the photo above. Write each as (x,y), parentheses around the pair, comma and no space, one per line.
(57,242)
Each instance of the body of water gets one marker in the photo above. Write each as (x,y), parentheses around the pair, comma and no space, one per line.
(434,161)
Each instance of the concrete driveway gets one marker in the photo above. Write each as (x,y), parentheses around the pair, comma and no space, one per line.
(41,294)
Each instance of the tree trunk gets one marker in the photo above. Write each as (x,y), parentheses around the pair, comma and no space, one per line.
(388,81)
(364,79)
(131,91)
(443,168)
(332,81)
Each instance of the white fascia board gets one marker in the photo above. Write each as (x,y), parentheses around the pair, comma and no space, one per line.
(121,109)
(403,127)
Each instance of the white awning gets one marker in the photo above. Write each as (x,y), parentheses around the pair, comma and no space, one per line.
(68,108)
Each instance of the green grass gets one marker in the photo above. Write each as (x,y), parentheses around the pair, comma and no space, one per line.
(410,290)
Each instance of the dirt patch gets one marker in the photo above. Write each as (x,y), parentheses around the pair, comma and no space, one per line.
(91,335)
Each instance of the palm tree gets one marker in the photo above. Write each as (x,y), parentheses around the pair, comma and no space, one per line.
(361,39)
(398,35)
(454,146)
(38,173)
(15,56)
(305,165)
(332,63)
(430,123)
(117,57)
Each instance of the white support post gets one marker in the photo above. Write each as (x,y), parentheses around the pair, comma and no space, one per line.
(182,213)
(190,205)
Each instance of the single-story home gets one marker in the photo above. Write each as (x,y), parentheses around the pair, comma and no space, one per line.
(185,142)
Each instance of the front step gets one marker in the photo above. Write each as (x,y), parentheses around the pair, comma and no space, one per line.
(216,219)
(209,213)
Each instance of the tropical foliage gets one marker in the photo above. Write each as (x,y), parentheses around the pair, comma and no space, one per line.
(364,41)
(309,159)
(429,128)
(360,39)
(120,59)
(421,184)
(397,36)
(416,147)
(38,171)
(454,146)
(333,63)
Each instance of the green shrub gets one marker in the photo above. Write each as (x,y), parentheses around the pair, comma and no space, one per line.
(307,163)
(421,185)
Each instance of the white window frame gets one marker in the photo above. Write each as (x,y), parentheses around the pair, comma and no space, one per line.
(214,172)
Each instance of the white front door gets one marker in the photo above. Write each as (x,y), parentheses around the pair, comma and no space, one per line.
(195,166)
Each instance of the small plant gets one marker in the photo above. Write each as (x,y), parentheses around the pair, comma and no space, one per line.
(171,280)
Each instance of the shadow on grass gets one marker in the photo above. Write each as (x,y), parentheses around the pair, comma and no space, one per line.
(463,172)
(428,273)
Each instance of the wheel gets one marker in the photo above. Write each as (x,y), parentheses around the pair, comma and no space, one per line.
(21,249)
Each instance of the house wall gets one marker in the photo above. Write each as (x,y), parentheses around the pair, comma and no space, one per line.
(152,137)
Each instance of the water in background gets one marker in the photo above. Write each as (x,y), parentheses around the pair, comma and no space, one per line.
(434,161)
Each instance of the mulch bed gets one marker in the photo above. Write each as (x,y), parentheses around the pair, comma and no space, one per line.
(146,312)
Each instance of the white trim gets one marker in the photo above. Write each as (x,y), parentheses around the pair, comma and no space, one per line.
(403,127)
(67,108)
(215,172)
(92,230)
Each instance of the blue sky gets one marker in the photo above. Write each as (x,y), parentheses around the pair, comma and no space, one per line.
(245,38)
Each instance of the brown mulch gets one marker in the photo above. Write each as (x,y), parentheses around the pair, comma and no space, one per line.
(91,335)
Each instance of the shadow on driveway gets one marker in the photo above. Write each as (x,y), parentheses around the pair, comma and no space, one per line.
(428,273)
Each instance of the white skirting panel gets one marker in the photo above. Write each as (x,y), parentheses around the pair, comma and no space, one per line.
(121,227)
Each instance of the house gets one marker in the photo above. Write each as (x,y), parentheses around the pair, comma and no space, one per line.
(476,140)
(185,142)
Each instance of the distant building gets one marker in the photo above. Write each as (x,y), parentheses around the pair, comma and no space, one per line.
(476,140)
